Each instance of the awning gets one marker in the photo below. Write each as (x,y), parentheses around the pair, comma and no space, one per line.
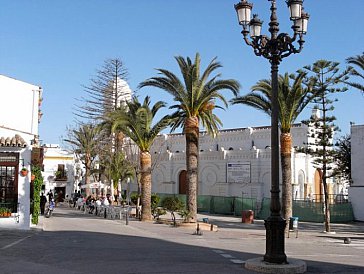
(94,185)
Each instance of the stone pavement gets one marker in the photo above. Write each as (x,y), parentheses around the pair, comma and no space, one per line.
(229,247)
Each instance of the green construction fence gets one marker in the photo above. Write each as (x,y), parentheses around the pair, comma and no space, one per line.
(304,210)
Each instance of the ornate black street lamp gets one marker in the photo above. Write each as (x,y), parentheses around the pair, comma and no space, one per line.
(274,48)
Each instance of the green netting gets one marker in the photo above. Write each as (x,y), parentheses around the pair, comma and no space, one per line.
(312,212)
(222,205)
(241,204)
(341,213)
(264,212)
(203,203)
(308,211)
(304,210)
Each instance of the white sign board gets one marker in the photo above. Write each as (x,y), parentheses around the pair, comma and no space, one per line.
(238,172)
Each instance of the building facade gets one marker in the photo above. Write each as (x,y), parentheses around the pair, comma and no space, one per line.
(237,162)
(61,171)
(19,117)
(356,189)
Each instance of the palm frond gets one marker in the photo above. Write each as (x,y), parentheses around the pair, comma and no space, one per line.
(195,91)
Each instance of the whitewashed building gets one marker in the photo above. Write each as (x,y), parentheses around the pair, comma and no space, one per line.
(61,172)
(356,190)
(19,117)
(237,162)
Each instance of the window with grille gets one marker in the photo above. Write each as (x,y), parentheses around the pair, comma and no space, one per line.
(9,163)
(61,174)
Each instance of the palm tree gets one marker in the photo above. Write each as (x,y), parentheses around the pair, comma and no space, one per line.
(358,61)
(135,121)
(292,99)
(84,141)
(118,168)
(195,96)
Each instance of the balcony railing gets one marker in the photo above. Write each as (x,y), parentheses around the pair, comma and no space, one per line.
(60,176)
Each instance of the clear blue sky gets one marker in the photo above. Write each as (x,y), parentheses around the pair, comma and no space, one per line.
(59,45)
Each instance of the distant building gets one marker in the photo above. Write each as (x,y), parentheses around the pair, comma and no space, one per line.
(19,117)
(61,172)
(124,92)
(237,162)
(117,95)
(356,189)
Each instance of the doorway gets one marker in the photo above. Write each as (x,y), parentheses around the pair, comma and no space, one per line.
(60,193)
(182,182)
(318,186)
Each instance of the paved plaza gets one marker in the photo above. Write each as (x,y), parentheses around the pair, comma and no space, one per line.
(73,242)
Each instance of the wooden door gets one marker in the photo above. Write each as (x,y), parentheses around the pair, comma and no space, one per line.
(182,182)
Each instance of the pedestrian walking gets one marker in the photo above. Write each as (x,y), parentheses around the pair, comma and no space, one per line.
(43,201)
(50,196)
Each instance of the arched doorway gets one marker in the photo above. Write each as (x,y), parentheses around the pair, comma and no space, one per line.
(182,182)
(318,186)
(301,191)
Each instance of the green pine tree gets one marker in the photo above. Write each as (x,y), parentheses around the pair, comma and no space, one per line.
(324,77)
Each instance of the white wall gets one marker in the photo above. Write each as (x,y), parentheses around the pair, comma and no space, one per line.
(356,190)
(19,105)
(248,145)
(54,156)
(19,115)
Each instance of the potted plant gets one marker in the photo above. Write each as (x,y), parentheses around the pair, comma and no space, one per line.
(5,212)
(24,172)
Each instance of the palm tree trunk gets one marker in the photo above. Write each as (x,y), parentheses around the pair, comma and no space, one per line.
(192,135)
(286,145)
(146,183)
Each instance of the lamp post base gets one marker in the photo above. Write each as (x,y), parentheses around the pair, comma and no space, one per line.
(275,226)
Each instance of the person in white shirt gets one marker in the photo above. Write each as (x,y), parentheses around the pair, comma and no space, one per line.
(79,202)
(106,202)
(98,205)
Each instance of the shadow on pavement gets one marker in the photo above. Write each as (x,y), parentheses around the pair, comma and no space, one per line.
(94,252)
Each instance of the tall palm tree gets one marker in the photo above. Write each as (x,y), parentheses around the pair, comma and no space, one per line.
(135,120)
(358,61)
(84,141)
(292,99)
(195,95)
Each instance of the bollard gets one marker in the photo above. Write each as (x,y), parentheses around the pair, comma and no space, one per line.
(293,225)
(198,231)
(347,240)
(127,216)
